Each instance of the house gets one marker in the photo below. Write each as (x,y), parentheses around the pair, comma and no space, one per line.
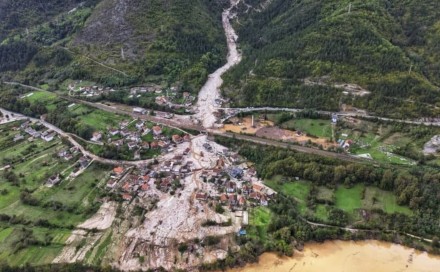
(49,137)
(18,137)
(145,187)
(162,144)
(112,183)
(63,153)
(235,172)
(257,187)
(124,124)
(231,187)
(126,187)
(223,198)
(157,130)
(132,145)
(54,180)
(241,201)
(127,197)
(125,133)
(232,200)
(177,139)
(138,110)
(113,132)
(140,125)
(254,195)
(201,196)
(263,200)
(186,151)
(97,136)
(154,145)
(84,162)
(118,171)
(187,138)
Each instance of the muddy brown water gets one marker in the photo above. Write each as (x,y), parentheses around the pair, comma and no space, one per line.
(347,256)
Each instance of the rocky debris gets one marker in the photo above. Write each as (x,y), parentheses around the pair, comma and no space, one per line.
(103,219)
(349,88)
(433,146)
(209,95)
(77,246)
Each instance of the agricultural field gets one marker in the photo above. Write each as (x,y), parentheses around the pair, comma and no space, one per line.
(385,143)
(350,200)
(312,127)
(36,220)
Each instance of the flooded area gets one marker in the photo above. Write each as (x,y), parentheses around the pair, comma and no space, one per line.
(346,256)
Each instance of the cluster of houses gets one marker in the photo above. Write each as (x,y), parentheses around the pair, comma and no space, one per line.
(230,182)
(68,154)
(131,136)
(88,91)
(32,130)
(236,186)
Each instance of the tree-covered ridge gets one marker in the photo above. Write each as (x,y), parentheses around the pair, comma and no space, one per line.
(387,47)
(164,42)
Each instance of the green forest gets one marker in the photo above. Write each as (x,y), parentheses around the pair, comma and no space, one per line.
(387,47)
(173,42)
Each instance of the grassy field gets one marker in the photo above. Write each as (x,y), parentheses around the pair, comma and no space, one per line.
(315,127)
(63,206)
(259,219)
(349,199)
(325,194)
(379,199)
(101,120)
(321,212)
(298,189)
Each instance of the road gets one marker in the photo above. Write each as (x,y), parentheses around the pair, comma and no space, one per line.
(350,229)
(235,111)
(298,148)
(18,116)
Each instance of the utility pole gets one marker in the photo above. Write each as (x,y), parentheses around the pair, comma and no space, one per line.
(410,69)
(122,53)
(349,8)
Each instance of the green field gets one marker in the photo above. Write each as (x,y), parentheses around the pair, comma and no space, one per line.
(297,189)
(314,127)
(380,199)
(55,211)
(321,212)
(349,199)
(101,120)
(259,219)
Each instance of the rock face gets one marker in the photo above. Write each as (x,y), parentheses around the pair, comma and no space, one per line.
(433,146)
(108,24)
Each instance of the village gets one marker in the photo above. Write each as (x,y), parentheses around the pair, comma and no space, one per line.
(171,97)
(221,177)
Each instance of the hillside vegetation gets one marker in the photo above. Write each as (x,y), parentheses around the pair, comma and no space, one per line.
(112,42)
(387,47)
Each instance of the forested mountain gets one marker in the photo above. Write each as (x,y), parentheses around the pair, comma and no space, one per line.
(388,47)
(147,41)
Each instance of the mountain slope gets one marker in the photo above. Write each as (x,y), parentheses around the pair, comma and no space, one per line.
(164,42)
(386,47)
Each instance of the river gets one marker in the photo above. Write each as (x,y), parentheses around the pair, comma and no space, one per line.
(206,105)
(347,256)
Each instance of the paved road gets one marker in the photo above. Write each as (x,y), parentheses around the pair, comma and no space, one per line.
(66,135)
(235,111)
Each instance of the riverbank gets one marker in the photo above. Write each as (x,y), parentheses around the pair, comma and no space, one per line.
(337,256)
